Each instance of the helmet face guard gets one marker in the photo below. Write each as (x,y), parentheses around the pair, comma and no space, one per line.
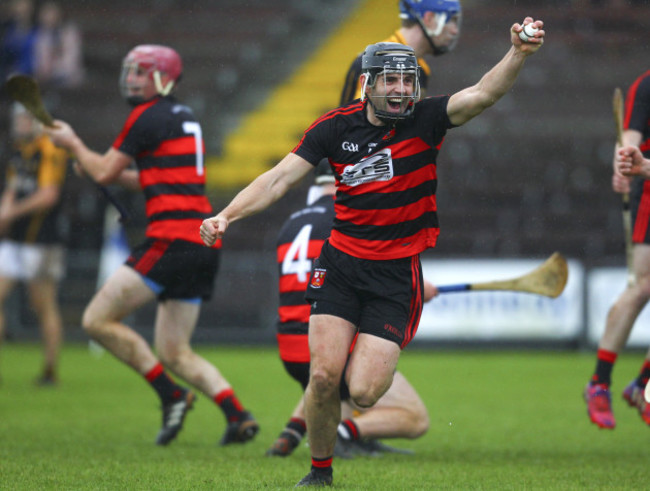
(153,61)
(395,63)
(445,10)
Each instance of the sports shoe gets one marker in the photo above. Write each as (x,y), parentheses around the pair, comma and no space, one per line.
(240,431)
(599,405)
(377,448)
(46,380)
(283,446)
(173,416)
(628,393)
(633,394)
(316,478)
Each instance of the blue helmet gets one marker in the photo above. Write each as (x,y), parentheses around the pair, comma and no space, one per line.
(419,7)
(445,11)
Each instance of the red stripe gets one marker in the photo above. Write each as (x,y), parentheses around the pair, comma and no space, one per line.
(385,249)
(608,356)
(176,175)
(133,117)
(177,202)
(416,302)
(290,283)
(153,374)
(224,394)
(313,250)
(404,182)
(294,348)
(642,215)
(339,111)
(321,463)
(151,257)
(178,146)
(178,229)
(294,313)
(389,216)
(629,99)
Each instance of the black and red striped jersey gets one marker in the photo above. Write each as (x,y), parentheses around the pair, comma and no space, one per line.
(637,110)
(299,243)
(386,177)
(166,141)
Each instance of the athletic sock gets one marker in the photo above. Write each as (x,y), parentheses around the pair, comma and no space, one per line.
(322,466)
(644,374)
(163,384)
(229,404)
(294,431)
(348,430)
(604,366)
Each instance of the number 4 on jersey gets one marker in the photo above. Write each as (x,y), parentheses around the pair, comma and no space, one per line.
(296,260)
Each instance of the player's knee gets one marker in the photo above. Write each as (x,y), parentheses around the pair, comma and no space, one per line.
(323,381)
(420,422)
(365,396)
(90,324)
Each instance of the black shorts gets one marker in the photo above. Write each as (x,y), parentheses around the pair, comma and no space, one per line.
(184,270)
(382,298)
(640,209)
(300,373)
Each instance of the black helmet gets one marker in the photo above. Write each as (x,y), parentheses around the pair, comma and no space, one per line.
(323,174)
(382,58)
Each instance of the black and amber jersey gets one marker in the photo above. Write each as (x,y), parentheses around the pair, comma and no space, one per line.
(386,177)
(34,165)
(299,242)
(166,142)
(352,88)
(637,110)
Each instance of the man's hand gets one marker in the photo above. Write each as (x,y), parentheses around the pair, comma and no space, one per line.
(61,134)
(630,162)
(534,43)
(212,229)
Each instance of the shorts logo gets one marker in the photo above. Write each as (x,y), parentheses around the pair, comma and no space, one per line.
(393,330)
(318,278)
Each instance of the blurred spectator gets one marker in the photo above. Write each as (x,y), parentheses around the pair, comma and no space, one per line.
(19,35)
(58,49)
(31,250)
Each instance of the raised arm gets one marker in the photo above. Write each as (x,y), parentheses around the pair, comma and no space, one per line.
(265,190)
(102,168)
(472,101)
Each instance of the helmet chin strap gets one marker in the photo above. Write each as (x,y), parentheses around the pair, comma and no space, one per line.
(427,32)
(162,90)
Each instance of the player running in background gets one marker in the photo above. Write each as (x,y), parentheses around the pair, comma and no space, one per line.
(623,313)
(32,248)
(368,277)
(430,27)
(400,413)
(171,266)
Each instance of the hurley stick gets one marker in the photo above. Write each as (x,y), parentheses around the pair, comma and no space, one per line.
(24,89)
(548,279)
(617,107)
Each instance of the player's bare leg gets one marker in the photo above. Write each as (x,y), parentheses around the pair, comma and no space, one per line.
(43,298)
(399,413)
(124,292)
(330,339)
(175,323)
(620,321)
(6,285)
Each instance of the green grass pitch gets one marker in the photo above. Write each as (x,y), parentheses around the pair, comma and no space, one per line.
(502,420)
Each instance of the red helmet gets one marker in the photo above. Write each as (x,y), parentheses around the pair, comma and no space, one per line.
(156,60)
